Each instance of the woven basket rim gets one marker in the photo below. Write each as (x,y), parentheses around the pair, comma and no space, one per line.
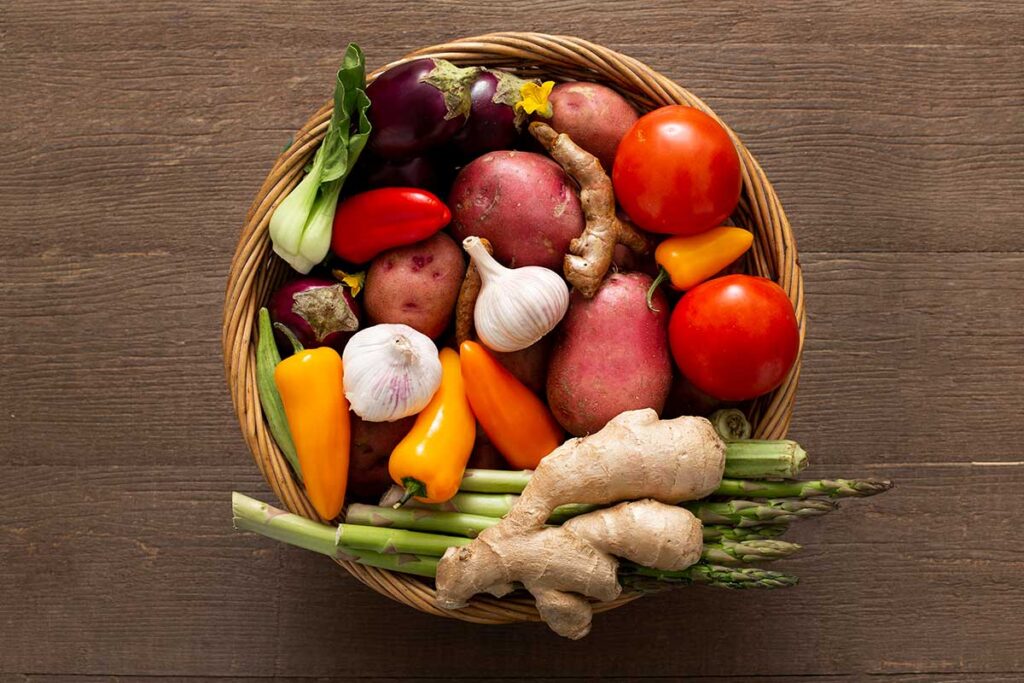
(254,272)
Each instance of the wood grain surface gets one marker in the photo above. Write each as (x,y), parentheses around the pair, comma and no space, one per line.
(132,138)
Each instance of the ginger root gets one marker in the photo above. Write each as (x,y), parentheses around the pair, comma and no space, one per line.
(590,254)
(636,455)
(626,531)
(562,566)
(466,302)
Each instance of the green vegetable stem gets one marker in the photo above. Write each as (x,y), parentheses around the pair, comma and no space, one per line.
(731,424)
(417,553)
(744,459)
(300,227)
(267,358)
(503,485)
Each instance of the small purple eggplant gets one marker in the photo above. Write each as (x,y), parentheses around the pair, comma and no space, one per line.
(494,123)
(426,172)
(318,311)
(418,106)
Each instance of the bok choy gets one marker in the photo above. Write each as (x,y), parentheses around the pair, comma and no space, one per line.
(300,227)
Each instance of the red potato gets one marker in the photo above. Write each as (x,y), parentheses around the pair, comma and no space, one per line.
(372,443)
(594,116)
(611,355)
(522,202)
(416,285)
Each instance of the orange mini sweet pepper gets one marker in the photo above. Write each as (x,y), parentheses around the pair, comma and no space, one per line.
(518,424)
(690,260)
(428,463)
(311,385)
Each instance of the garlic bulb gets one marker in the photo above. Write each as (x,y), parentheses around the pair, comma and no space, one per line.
(391,372)
(516,306)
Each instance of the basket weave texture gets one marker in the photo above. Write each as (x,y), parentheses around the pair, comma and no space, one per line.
(255,272)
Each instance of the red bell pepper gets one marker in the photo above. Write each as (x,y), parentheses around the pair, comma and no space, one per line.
(368,223)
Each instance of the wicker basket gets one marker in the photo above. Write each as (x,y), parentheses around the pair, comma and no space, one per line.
(255,272)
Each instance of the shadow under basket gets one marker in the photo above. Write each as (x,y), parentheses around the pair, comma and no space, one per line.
(256,272)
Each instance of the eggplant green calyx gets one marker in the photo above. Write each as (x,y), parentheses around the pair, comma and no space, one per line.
(455,84)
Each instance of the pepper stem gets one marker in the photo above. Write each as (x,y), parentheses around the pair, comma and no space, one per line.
(662,276)
(296,344)
(413,487)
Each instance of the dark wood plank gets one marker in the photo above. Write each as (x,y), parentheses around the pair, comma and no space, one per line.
(135,570)
(989,677)
(912,357)
(307,26)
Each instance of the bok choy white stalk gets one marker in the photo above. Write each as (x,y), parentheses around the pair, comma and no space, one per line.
(300,227)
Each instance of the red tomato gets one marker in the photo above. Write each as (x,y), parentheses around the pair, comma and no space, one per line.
(677,172)
(735,337)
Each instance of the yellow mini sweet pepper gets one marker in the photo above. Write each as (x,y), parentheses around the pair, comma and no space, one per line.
(428,463)
(689,260)
(311,386)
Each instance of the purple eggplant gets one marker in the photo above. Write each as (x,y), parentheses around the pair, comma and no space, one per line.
(494,123)
(318,311)
(426,172)
(418,106)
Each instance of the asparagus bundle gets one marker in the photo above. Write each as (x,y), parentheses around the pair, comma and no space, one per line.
(734,514)
(731,548)
(417,553)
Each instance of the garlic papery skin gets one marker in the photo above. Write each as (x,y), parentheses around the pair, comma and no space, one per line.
(516,306)
(391,372)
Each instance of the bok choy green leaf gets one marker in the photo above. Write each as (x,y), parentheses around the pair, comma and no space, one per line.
(300,227)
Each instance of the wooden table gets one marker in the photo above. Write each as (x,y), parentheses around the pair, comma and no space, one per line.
(133,137)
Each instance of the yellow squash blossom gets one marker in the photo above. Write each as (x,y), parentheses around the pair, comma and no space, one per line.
(534,98)
(354,281)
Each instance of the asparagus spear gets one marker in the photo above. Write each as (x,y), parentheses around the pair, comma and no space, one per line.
(484,504)
(762,459)
(252,515)
(640,578)
(457,523)
(506,482)
(390,541)
(735,513)
(755,459)
(463,524)
(747,552)
(744,513)
(832,488)
(713,532)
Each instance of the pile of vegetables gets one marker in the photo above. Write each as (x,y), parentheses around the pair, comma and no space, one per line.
(481,362)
